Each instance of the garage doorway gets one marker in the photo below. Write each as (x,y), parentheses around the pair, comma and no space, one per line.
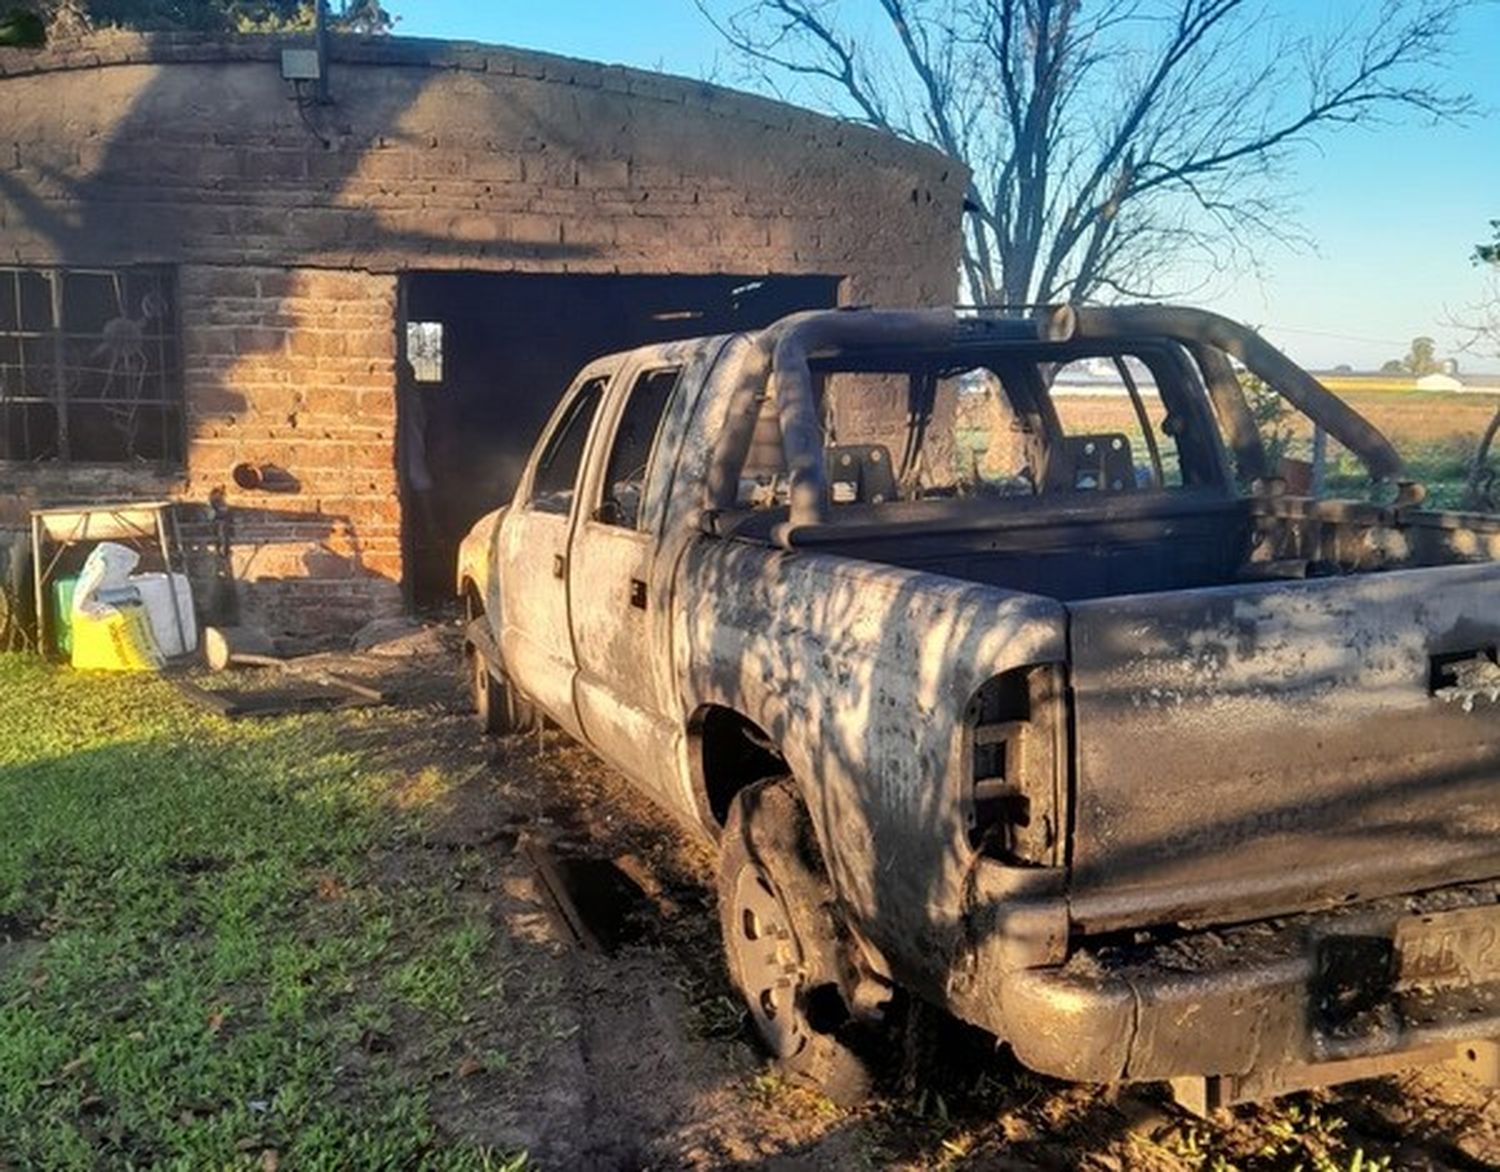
(490,354)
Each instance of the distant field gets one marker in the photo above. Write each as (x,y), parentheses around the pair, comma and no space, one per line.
(1423,416)
(1435,432)
(1406,417)
(1353,384)
(1379,384)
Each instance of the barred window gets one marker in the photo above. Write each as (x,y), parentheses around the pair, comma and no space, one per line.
(89,366)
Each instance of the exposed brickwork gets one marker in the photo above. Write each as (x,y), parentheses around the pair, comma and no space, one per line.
(296,369)
(130,149)
(474,158)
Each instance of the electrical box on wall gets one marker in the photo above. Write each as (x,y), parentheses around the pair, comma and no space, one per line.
(300,65)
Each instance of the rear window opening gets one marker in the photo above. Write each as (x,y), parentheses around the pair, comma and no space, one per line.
(1049,422)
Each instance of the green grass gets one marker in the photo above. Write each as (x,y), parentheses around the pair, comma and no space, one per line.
(1442,467)
(204,947)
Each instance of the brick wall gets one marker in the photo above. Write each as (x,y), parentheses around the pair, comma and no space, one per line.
(294,370)
(291,226)
(443,156)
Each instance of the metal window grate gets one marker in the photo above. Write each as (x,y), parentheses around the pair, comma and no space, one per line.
(90,370)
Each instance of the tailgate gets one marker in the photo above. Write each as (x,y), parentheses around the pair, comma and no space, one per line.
(1246,750)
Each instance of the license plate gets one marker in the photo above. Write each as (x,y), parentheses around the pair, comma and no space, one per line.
(1461,947)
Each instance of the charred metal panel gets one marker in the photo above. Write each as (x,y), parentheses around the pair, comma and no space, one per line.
(620,587)
(532,553)
(476,560)
(1253,1002)
(534,617)
(1249,749)
(616,691)
(862,674)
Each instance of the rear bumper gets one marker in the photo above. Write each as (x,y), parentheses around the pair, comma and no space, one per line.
(1243,1002)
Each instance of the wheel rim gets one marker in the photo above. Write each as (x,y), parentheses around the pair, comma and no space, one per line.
(769,960)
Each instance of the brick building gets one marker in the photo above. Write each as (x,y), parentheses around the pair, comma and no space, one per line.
(209,280)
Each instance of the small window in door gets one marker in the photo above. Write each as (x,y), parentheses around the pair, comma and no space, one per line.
(424,350)
(630,457)
(557,471)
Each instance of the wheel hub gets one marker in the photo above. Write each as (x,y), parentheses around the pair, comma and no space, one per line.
(769,962)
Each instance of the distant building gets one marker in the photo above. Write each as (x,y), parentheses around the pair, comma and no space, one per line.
(1439,382)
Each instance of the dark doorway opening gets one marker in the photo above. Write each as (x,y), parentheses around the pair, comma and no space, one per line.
(487,355)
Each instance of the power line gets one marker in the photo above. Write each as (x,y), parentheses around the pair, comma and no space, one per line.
(1338,336)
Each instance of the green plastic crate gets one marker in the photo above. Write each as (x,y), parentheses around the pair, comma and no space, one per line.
(62,612)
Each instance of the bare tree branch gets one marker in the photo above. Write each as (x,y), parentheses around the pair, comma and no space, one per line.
(1111,143)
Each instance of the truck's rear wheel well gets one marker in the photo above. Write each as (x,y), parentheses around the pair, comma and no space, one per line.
(731,752)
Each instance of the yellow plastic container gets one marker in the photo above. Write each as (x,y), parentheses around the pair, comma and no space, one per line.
(117,640)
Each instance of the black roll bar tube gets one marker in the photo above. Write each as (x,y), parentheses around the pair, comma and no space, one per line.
(1280,373)
(779,365)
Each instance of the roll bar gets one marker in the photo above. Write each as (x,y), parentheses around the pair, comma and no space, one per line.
(1199,328)
(779,364)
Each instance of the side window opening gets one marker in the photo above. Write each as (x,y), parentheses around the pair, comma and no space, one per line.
(556,476)
(631,451)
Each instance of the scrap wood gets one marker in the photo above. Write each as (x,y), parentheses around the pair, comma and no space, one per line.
(234,702)
(556,897)
(317,673)
(226,647)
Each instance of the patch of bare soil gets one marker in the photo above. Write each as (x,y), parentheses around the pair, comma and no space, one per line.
(629,1050)
(19,943)
(609,1038)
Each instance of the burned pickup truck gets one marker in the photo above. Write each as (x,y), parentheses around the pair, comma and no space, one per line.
(1088,730)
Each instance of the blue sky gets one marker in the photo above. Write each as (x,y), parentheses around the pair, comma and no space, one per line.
(1393,212)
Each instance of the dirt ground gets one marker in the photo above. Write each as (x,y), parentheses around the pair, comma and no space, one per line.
(623,1047)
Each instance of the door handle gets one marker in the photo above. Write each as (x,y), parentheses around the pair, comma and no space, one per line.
(559,565)
(638,593)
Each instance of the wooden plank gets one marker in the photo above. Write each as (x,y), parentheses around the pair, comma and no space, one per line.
(233,704)
(555,894)
(360,691)
(213,701)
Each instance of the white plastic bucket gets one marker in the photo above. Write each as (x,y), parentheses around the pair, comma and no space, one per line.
(156,597)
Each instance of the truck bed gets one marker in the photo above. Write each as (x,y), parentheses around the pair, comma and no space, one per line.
(1063,548)
(1258,689)
(1079,547)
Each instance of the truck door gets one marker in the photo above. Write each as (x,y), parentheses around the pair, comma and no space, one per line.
(618,606)
(535,642)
